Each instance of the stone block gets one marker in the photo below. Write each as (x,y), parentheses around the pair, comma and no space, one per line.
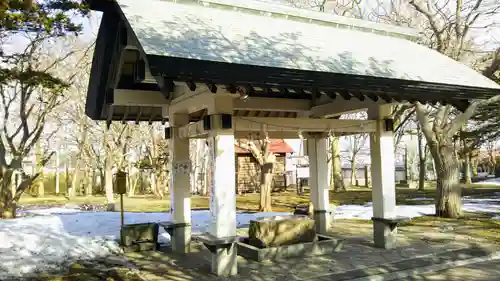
(136,233)
(384,235)
(280,231)
(323,245)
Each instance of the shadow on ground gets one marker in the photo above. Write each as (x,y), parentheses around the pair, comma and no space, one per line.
(356,261)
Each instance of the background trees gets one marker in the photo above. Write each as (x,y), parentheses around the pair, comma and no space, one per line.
(33,80)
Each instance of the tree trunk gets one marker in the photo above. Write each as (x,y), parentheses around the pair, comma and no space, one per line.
(75,182)
(204,185)
(266,174)
(155,185)
(66,180)
(474,166)
(338,181)
(354,174)
(7,205)
(406,162)
(448,200)
(108,186)
(89,175)
(102,181)
(467,168)
(421,175)
(40,187)
(421,162)
(58,174)
(74,177)
(132,188)
(367,176)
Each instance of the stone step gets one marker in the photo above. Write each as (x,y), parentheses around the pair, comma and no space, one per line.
(408,264)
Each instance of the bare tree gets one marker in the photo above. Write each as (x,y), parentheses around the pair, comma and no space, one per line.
(337,179)
(448,33)
(29,93)
(356,145)
(157,154)
(422,159)
(447,27)
(491,155)
(266,160)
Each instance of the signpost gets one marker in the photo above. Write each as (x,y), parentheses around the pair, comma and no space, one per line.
(121,188)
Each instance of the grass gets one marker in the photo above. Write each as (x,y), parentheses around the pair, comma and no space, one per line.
(282,201)
(475,225)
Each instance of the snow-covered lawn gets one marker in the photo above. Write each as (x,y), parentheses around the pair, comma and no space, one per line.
(59,236)
(491,181)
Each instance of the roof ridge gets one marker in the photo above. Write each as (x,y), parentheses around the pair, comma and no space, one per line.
(304,15)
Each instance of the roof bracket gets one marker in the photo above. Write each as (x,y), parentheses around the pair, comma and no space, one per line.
(191,85)
(331,95)
(344,94)
(166,86)
(386,98)
(138,116)
(231,88)
(284,91)
(249,90)
(397,98)
(212,87)
(373,97)
(125,114)
(359,96)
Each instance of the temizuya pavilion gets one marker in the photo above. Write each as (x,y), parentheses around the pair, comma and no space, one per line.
(225,69)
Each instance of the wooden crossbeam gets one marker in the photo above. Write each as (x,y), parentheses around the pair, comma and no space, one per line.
(258,124)
(193,130)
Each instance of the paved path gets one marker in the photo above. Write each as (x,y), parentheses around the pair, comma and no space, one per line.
(484,271)
(357,260)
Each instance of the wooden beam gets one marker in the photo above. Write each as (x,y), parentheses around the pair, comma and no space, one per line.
(139,98)
(340,107)
(258,124)
(272,104)
(192,130)
(187,101)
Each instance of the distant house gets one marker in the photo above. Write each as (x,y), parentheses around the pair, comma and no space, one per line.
(248,169)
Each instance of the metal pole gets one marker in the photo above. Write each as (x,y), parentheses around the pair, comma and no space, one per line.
(121,210)
(122,219)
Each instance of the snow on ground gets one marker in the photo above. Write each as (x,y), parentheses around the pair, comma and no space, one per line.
(492,181)
(59,236)
(491,204)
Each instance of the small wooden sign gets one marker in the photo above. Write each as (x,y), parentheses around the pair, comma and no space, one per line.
(121,182)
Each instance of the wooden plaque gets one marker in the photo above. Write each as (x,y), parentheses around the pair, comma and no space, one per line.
(121,182)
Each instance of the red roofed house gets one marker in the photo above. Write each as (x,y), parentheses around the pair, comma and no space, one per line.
(248,170)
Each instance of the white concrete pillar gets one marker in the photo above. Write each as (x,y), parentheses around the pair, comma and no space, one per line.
(383,178)
(180,187)
(222,187)
(318,182)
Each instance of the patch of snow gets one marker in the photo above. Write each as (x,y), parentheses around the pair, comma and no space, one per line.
(492,181)
(59,236)
(50,211)
(421,199)
(366,212)
(496,217)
